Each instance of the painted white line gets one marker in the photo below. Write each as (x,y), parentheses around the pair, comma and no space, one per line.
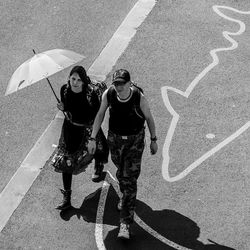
(110,180)
(158,236)
(121,38)
(14,191)
(174,121)
(99,216)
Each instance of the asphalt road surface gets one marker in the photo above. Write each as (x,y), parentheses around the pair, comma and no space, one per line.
(191,58)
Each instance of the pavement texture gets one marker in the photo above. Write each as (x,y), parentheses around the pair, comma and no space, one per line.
(208,208)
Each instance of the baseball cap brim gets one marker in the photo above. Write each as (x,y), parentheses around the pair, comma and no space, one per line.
(121,80)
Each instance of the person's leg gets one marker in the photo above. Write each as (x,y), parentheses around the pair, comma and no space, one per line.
(67,182)
(127,204)
(115,146)
(71,139)
(132,156)
(101,156)
(98,171)
(129,186)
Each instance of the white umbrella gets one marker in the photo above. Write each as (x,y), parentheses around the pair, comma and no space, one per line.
(41,66)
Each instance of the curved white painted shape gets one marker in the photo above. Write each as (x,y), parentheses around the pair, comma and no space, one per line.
(99,216)
(165,89)
(110,180)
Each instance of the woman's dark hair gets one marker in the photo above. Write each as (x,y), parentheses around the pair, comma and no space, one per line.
(82,74)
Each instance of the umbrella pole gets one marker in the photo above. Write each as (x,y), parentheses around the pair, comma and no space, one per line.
(55,96)
(53,90)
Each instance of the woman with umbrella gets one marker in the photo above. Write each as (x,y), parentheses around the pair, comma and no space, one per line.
(80,103)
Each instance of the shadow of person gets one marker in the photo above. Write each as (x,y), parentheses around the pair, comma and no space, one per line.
(88,210)
(166,225)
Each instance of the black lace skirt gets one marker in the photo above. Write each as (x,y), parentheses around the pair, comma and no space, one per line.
(71,155)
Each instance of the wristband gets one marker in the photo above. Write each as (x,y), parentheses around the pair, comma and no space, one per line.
(92,139)
(153,138)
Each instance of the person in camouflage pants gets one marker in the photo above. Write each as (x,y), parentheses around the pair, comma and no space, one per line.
(128,111)
(126,154)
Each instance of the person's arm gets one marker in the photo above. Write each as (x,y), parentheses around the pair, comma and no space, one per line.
(150,123)
(96,103)
(97,123)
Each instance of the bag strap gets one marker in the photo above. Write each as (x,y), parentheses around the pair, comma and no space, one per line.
(137,95)
(138,102)
(134,84)
(109,94)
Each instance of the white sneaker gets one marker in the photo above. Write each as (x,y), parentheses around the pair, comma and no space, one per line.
(124,232)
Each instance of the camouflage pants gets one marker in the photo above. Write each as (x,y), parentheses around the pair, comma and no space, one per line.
(126,154)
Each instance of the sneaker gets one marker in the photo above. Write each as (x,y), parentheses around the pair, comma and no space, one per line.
(98,174)
(119,205)
(124,232)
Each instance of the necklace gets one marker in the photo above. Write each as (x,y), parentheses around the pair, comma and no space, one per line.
(125,99)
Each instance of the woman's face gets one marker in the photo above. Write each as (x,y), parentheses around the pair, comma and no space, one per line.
(75,83)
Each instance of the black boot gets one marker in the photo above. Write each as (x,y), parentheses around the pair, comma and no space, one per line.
(98,174)
(66,200)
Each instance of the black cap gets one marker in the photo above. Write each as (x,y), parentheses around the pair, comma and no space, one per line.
(121,75)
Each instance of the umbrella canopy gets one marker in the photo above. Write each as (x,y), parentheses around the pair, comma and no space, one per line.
(41,66)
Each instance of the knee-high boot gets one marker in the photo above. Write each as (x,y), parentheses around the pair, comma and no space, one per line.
(66,202)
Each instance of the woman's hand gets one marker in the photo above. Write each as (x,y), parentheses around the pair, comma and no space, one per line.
(153,147)
(91,147)
(60,106)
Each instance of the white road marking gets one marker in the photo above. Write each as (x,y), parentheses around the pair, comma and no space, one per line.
(165,89)
(210,136)
(110,180)
(99,216)
(120,40)
(21,181)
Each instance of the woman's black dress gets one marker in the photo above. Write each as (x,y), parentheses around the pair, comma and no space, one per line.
(81,109)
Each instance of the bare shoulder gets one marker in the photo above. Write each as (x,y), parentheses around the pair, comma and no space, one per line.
(143,99)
